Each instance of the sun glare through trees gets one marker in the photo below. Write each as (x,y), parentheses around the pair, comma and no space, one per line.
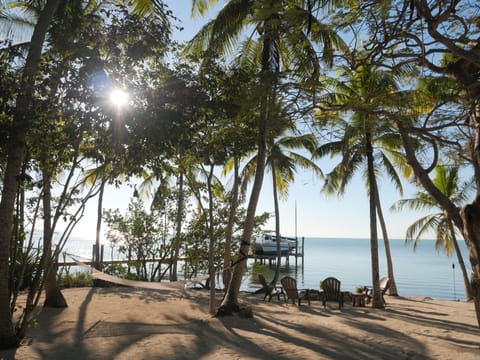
(118,97)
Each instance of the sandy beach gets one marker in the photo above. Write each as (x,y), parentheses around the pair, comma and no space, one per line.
(129,323)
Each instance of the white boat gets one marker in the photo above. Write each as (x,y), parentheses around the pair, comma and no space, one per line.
(267,245)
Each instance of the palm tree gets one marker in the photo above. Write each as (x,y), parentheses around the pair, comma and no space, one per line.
(446,179)
(365,139)
(282,161)
(282,35)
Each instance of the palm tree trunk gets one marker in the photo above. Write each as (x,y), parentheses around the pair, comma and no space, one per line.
(392,290)
(211,246)
(277,223)
(270,68)
(178,231)
(377,296)
(230,301)
(15,154)
(99,225)
(227,273)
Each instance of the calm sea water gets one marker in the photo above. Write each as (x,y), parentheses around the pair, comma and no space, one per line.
(424,272)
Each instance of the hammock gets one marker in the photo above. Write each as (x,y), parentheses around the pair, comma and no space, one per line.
(173,285)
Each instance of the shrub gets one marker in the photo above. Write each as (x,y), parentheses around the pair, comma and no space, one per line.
(79,279)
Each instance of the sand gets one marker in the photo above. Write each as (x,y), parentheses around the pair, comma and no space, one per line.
(129,323)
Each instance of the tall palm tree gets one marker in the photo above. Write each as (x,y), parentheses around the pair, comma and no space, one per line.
(282,161)
(446,179)
(365,140)
(282,35)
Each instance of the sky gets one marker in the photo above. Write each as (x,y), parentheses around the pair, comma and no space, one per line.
(306,212)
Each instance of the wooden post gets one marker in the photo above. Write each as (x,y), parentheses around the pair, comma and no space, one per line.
(94,260)
(100,263)
(303,249)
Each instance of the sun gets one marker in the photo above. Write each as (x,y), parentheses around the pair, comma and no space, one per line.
(118,97)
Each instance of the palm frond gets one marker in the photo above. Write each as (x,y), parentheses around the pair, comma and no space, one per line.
(147,7)
(421,201)
(228,166)
(330,40)
(249,55)
(200,7)
(332,149)
(392,173)
(465,192)
(17,21)
(145,189)
(419,228)
(306,163)
(200,41)
(443,239)
(248,172)
(332,183)
(220,35)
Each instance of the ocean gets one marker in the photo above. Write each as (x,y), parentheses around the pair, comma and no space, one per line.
(424,272)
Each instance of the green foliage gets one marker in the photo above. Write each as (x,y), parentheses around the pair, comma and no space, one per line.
(119,270)
(136,236)
(195,240)
(360,288)
(79,279)
(258,268)
(447,181)
(354,110)
(26,266)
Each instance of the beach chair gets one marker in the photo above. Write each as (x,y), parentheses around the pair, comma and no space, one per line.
(385,283)
(384,286)
(331,291)
(270,290)
(289,285)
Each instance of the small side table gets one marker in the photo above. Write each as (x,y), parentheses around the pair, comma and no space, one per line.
(277,291)
(358,299)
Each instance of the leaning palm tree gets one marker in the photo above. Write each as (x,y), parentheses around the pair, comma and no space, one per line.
(366,141)
(283,34)
(446,179)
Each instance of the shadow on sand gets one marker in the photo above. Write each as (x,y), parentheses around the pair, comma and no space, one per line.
(267,335)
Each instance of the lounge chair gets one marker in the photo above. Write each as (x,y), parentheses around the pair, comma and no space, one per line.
(385,283)
(290,286)
(331,291)
(270,290)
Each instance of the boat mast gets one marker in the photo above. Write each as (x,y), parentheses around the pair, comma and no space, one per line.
(296,219)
